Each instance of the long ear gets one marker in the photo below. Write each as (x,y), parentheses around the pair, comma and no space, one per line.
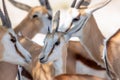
(20,5)
(8,22)
(46,4)
(97,6)
(55,23)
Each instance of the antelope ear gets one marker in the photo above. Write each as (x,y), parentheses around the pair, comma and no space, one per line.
(20,5)
(55,22)
(46,4)
(97,6)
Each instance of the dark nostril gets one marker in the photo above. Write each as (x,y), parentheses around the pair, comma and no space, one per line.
(42,58)
(30,57)
(50,17)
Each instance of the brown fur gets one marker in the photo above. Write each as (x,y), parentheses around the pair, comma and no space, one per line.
(93,40)
(7,71)
(3,31)
(37,70)
(77,52)
(113,50)
(30,24)
(77,77)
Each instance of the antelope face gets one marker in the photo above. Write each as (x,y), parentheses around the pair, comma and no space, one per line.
(53,46)
(38,17)
(13,52)
(41,18)
(70,18)
(78,14)
(11,49)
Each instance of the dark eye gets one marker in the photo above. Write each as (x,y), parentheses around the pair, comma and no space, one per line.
(35,16)
(76,19)
(13,39)
(49,17)
(57,43)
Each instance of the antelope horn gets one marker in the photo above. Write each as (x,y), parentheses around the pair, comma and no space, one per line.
(2,18)
(46,4)
(8,22)
(73,4)
(79,4)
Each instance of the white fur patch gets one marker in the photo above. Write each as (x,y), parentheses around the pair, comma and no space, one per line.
(10,54)
(39,39)
(74,39)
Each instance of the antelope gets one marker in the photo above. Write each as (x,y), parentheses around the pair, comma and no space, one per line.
(40,71)
(11,50)
(111,55)
(56,40)
(37,20)
(28,31)
(9,43)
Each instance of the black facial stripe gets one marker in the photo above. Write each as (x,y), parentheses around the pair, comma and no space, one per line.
(69,27)
(16,46)
(82,25)
(72,23)
(53,48)
(19,52)
(13,39)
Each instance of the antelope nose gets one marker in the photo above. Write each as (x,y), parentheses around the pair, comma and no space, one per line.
(28,60)
(42,59)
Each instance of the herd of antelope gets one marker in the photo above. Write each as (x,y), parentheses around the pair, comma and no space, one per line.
(23,59)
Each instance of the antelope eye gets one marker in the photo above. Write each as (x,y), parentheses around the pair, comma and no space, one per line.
(13,39)
(76,19)
(57,43)
(35,16)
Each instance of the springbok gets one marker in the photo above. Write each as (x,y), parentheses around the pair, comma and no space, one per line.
(40,71)
(111,57)
(11,50)
(37,20)
(56,40)
(32,34)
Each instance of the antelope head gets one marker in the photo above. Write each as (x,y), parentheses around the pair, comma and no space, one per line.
(56,39)
(11,50)
(54,42)
(39,16)
(79,11)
